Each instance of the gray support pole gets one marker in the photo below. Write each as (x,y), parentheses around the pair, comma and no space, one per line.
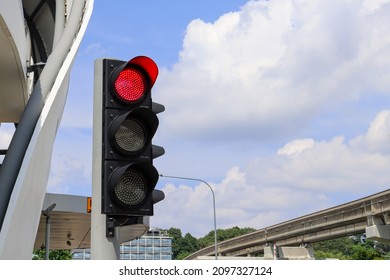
(14,158)
(102,247)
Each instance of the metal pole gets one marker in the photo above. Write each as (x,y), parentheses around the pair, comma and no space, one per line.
(47,213)
(47,237)
(102,247)
(215,215)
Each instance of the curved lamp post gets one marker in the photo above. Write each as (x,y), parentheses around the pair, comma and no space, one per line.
(215,215)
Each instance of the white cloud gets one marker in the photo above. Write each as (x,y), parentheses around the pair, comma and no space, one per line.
(296,147)
(271,67)
(377,138)
(337,166)
(68,171)
(301,177)
(267,71)
(249,81)
(71,166)
(370,6)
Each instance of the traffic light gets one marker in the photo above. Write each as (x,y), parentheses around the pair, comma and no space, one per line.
(129,123)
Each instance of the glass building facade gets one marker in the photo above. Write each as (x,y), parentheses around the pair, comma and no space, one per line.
(154,245)
(81,254)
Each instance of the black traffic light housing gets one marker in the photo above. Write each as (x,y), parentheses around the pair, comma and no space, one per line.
(129,124)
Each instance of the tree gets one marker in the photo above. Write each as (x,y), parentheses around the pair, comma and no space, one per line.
(53,254)
(335,248)
(175,233)
(364,252)
(351,248)
(186,246)
(182,246)
(176,236)
(223,234)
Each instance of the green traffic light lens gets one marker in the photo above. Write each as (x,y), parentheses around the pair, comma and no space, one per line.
(131,189)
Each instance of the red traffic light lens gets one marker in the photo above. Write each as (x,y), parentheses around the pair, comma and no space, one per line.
(130,85)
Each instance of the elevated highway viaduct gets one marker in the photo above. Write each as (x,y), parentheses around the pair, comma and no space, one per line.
(370,215)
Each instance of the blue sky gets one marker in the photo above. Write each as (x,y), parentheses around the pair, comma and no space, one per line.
(282,106)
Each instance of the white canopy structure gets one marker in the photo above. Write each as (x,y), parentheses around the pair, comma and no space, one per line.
(39,40)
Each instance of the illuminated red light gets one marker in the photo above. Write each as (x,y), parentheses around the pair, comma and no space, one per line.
(130,85)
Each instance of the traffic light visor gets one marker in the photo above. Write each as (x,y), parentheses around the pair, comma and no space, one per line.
(148,65)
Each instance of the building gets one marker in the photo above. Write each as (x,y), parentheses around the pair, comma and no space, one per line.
(154,245)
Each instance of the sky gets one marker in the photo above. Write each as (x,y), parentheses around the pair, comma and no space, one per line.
(282,106)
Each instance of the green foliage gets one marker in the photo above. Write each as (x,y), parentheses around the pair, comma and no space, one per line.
(223,234)
(321,255)
(175,233)
(364,252)
(351,248)
(53,254)
(183,246)
(335,248)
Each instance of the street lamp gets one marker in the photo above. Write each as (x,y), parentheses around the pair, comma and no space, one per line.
(215,215)
(47,213)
